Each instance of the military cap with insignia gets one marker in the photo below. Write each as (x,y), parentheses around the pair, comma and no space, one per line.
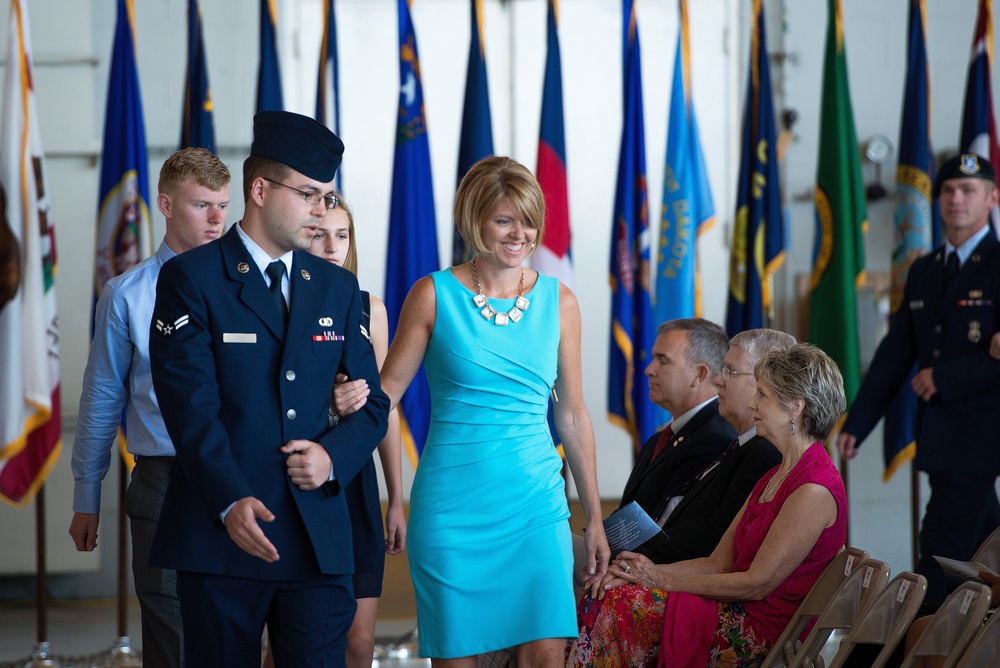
(302,143)
(964,166)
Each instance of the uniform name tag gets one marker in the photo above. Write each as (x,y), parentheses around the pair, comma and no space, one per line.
(238,337)
(917,303)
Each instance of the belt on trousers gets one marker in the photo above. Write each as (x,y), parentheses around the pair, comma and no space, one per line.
(154,458)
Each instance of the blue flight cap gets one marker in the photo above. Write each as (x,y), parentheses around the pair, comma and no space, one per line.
(305,145)
(964,166)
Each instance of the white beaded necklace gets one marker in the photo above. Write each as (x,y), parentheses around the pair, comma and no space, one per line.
(487,311)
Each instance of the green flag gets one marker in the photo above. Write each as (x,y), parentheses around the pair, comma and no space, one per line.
(841,218)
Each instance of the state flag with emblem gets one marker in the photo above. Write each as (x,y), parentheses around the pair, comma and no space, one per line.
(30,425)
(758,247)
(632,330)
(687,210)
(917,225)
(124,231)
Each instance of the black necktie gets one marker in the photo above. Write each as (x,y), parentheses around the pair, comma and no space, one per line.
(950,268)
(276,271)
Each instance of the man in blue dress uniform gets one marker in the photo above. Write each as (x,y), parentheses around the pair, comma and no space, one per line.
(949,312)
(247,335)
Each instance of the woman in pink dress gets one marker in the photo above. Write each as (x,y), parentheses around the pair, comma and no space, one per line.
(729,608)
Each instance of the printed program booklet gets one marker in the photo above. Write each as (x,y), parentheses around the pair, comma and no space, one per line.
(956,572)
(629,527)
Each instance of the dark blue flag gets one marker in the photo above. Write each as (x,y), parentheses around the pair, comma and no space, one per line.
(758,247)
(196,127)
(413,250)
(476,141)
(632,329)
(124,234)
(269,96)
(917,227)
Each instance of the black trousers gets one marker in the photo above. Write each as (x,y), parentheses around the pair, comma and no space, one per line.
(962,512)
(224,617)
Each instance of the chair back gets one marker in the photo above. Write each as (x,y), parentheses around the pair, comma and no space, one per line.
(842,565)
(843,609)
(984,650)
(886,619)
(988,554)
(953,626)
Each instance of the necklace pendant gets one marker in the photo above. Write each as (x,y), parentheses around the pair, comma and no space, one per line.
(487,312)
(501,319)
(515,314)
(479,300)
(521,304)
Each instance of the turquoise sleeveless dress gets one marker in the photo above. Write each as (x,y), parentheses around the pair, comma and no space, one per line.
(489,541)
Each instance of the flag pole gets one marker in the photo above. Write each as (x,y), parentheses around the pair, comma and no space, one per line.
(40,654)
(122,654)
(40,579)
(122,558)
(915,511)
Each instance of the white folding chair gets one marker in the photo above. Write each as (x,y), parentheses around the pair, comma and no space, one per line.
(953,626)
(846,561)
(885,621)
(842,611)
(984,650)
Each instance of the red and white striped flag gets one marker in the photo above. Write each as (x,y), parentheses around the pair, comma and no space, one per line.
(29,333)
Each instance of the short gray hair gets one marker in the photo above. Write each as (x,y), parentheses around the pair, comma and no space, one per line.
(707,342)
(806,372)
(756,342)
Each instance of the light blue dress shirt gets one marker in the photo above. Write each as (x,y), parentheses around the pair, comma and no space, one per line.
(965,250)
(118,376)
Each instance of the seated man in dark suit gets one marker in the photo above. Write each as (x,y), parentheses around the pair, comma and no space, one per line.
(694,524)
(686,357)
(694,509)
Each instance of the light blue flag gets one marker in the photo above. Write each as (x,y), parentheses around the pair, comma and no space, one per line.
(687,198)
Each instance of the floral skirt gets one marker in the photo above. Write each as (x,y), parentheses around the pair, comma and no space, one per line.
(623,629)
(736,644)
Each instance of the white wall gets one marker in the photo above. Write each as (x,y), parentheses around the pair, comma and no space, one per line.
(72,43)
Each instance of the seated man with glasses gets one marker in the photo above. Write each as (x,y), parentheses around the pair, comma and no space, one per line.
(692,477)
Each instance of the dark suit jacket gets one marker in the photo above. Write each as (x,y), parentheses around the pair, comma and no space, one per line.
(686,455)
(234,386)
(949,331)
(699,521)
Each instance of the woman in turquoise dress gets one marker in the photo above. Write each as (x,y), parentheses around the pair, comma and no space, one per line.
(488,525)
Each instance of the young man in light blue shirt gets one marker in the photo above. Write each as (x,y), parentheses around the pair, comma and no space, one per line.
(194,199)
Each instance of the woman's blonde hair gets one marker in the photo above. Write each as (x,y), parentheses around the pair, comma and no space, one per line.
(805,372)
(351,261)
(485,186)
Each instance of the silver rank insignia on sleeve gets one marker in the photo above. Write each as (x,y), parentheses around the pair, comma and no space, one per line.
(168,328)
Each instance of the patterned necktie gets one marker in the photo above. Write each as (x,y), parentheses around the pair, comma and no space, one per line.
(722,455)
(276,271)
